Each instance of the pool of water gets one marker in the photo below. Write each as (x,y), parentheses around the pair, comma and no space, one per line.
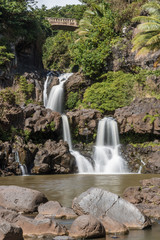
(64,188)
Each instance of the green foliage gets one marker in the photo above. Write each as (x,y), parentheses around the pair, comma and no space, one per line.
(93,47)
(25,87)
(7,96)
(72,100)
(5,57)
(52,126)
(55,51)
(152,118)
(27,134)
(114,92)
(147,39)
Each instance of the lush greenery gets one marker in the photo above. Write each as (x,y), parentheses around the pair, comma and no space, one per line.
(115,91)
(147,39)
(56,53)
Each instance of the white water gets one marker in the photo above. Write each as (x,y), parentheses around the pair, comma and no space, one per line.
(106,153)
(56,96)
(55,102)
(23,167)
(45,91)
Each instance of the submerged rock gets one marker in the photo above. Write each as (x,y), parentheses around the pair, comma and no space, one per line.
(100,203)
(21,199)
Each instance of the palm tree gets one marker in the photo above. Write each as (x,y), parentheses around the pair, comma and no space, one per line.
(86,24)
(148,37)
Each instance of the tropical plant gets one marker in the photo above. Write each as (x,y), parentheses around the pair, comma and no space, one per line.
(93,44)
(148,37)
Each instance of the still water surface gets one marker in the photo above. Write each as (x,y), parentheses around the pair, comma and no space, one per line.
(64,188)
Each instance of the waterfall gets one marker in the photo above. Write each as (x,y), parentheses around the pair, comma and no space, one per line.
(106,153)
(23,167)
(55,102)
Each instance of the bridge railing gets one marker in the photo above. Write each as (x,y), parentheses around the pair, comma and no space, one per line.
(63,21)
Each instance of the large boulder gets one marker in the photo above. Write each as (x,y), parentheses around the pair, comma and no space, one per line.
(146,197)
(42,123)
(53,158)
(99,203)
(86,226)
(84,123)
(21,199)
(9,231)
(141,116)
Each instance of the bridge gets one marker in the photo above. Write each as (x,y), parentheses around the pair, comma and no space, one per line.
(63,23)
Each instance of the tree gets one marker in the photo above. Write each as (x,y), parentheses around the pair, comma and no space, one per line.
(148,38)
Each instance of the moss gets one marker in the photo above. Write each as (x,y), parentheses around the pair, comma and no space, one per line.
(151,117)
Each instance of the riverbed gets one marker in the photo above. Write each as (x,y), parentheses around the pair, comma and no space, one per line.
(64,188)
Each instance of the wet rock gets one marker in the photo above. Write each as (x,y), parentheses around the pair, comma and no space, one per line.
(53,158)
(100,203)
(142,157)
(49,208)
(113,227)
(65,213)
(146,197)
(141,116)
(40,227)
(42,123)
(9,231)
(86,226)
(20,199)
(84,122)
(54,209)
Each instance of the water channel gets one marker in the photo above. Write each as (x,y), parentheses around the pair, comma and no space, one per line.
(64,188)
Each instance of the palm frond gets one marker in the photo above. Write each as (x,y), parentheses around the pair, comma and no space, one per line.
(152,7)
(149,26)
(154,39)
(142,52)
(143,19)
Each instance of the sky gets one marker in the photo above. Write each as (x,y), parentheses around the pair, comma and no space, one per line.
(53,3)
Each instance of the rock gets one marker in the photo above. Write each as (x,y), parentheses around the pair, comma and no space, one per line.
(113,227)
(86,226)
(40,227)
(53,158)
(100,203)
(21,199)
(84,123)
(49,208)
(142,156)
(65,213)
(9,231)
(75,84)
(146,197)
(141,116)
(41,123)
(11,116)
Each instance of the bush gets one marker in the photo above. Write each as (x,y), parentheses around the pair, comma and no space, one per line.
(72,100)
(114,92)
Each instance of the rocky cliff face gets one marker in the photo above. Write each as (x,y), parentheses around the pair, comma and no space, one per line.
(141,116)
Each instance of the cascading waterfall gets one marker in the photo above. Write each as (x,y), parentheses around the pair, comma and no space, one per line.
(23,167)
(55,102)
(106,153)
